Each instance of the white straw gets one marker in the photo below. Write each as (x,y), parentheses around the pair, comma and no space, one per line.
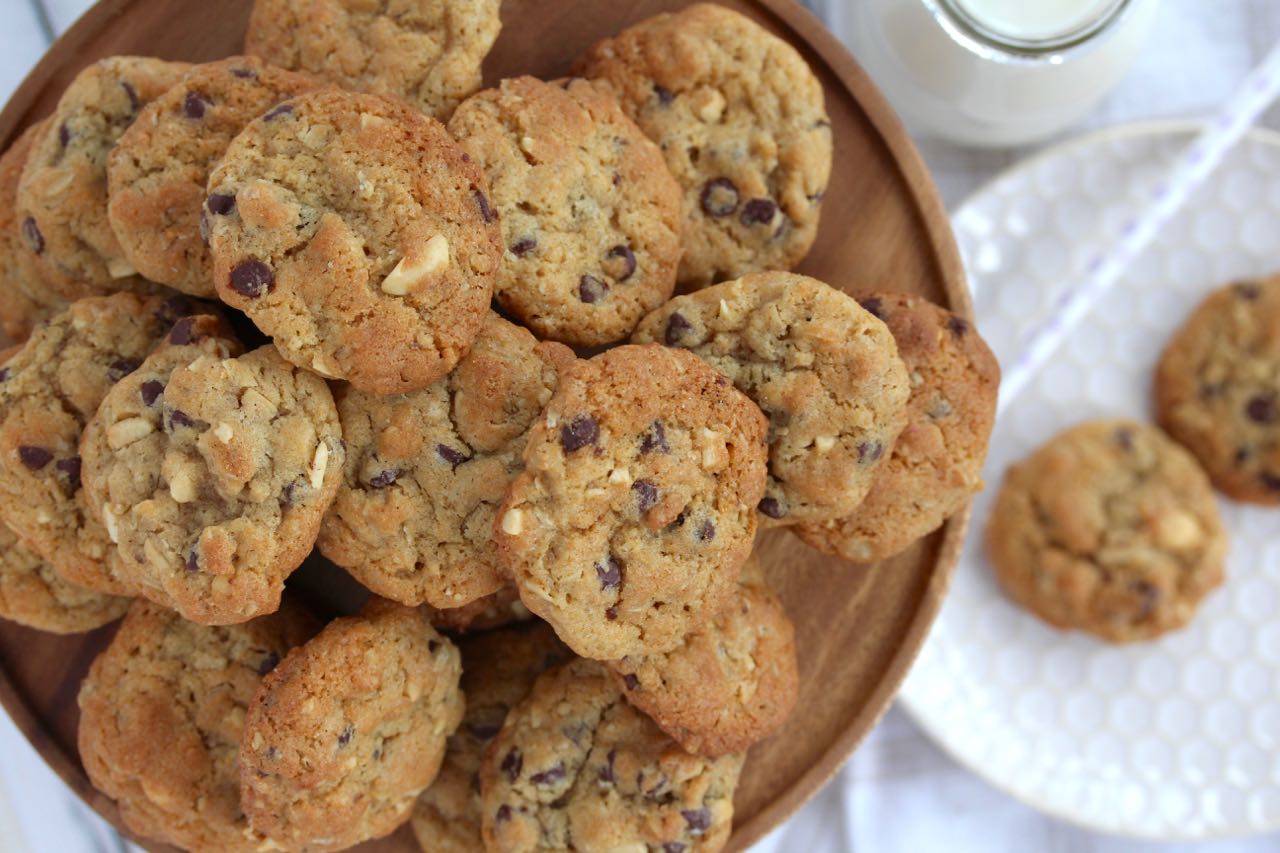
(1164,200)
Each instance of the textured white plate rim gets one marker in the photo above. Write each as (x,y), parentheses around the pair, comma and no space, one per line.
(947,740)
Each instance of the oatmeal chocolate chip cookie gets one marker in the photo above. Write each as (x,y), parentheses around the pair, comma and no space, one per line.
(575,767)
(824,370)
(590,215)
(936,464)
(741,120)
(33,594)
(25,297)
(498,670)
(636,508)
(1111,528)
(161,714)
(158,171)
(503,607)
(425,472)
(1218,389)
(355,232)
(211,473)
(62,196)
(424,51)
(345,734)
(730,683)
(48,392)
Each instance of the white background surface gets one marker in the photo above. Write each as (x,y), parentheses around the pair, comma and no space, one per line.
(899,793)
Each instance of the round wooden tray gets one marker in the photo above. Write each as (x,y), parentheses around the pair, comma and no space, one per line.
(858,628)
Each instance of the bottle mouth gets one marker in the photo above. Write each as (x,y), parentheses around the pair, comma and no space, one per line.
(1034,45)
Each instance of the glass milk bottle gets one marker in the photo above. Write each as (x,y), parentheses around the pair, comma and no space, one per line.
(996,72)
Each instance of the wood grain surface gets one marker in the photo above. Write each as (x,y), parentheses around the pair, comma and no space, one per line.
(883,227)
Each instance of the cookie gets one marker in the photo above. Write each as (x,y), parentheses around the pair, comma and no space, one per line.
(729,684)
(426,52)
(354,231)
(498,670)
(158,170)
(425,472)
(636,508)
(824,370)
(1217,389)
(742,122)
(62,196)
(344,735)
(25,298)
(590,215)
(1111,528)
(33,594)
(212,472)
(48,392)
(936,464)
(496,610)
(161,714)
(577,768)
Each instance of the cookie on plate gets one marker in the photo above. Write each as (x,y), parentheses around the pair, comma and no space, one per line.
(425,471)
(25,298)
(1111,528)
(48,392)
(158,170)
(1218,389)
(590,215)
(423,51)
(354,231)
(161,714)
(498,670)
(730,683)
(742,122)
(825,371)
(343,736)
(636,508)
(33,594)
(62,197)
(936,464)
(575,767)
(212,472)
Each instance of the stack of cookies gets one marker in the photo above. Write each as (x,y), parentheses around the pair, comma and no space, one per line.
(329,297)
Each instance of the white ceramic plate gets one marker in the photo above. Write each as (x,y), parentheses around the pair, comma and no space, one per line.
(1175,739)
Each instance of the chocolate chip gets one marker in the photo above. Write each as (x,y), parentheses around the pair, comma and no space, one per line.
(134,102)
(1248,291)
(4,374)
(870,451)
(384,478)
(282,110)
(673,847)
(64,135)
(432,646)
(195,105)
(610,573)
(346,735)
(486,212)
(1149,597)
(592,289)
(677,326)
(453,457)
(720,197)
(606,772)
(31,233)
(611,614)
(1124,438)
(221,204)
(873,305)
(71,467)
(578,433)
(289,494)
(1262,409)
(657,788)
(179,418)
(706,532)
(631,681)
(758,211)
(193,561)
(1271,481)
(204,227)
(550,776)
(503,814)
(512,765)
(699,820)
(617,179)
(665,95)
(958,326)
(646,494)
(771,507)
(251,278)
(34,458)
(620,262)
(268,663)
(120,368)
(181,333)
(655,440)
(245,73)
(523,246)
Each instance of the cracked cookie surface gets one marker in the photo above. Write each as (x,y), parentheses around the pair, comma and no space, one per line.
(345,734)
(425,471)
(577,768)
(590,215)
(161,715)
(211,472)
(355,232)
(636,508)
(25,297)
(936,464)
(825,371)
(1111,528)
(742,122)
(33,594)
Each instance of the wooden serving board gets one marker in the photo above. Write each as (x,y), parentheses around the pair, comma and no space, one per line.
(858,627)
